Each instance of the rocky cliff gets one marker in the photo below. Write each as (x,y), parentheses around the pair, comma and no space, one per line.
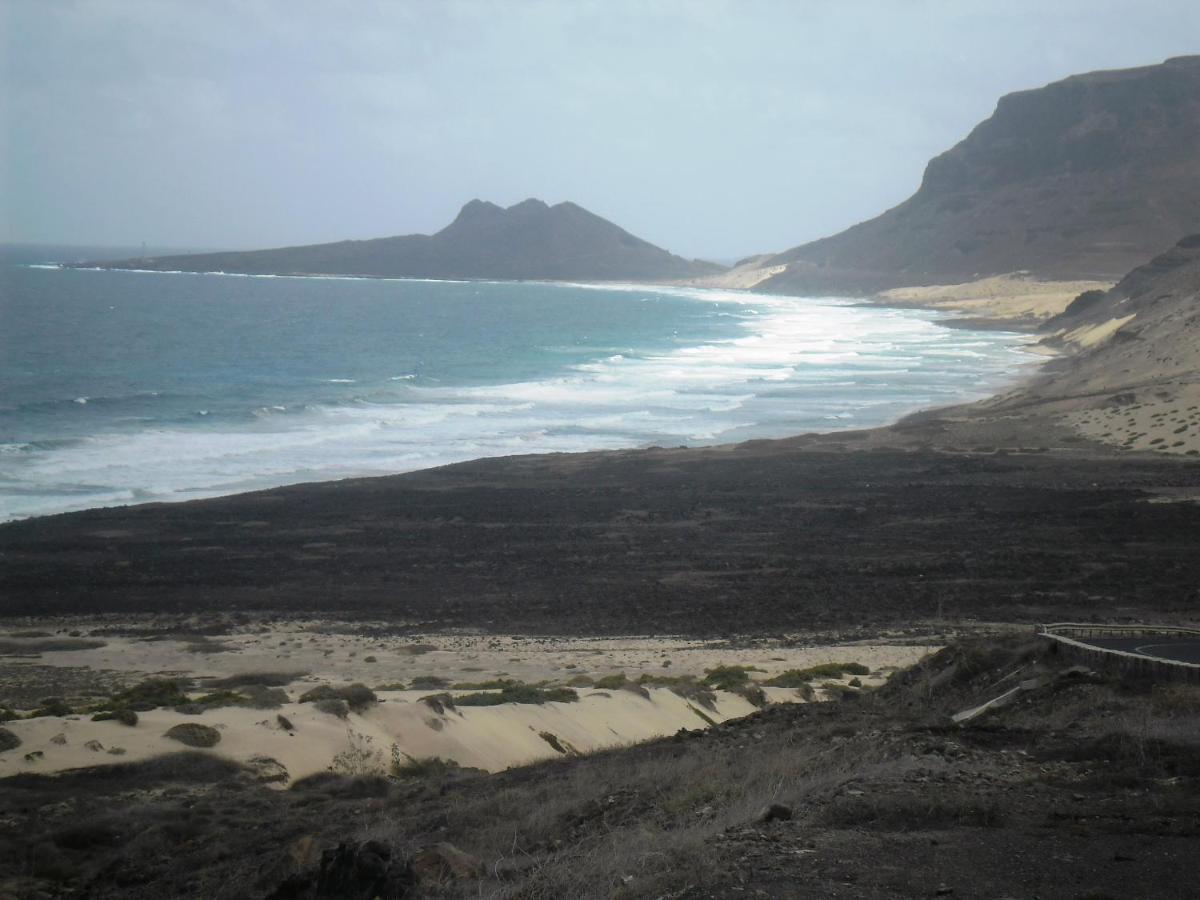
(1082,179)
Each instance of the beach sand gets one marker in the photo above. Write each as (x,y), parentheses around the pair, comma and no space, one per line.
(1016,297)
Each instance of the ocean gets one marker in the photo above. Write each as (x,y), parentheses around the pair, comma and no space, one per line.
(126,387)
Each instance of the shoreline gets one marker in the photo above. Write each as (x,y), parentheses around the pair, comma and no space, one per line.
(1018,373)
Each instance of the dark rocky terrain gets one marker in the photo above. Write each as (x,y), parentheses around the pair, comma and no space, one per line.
(527,241)
(1083,787)
(1084,178)
(867,528)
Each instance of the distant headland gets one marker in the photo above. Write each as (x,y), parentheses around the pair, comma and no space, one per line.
(528,241)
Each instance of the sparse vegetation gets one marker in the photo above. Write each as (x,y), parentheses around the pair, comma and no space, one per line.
(48,645)
(610,682)
(794,678)
(8,740)
(121,714)
(518,692)
(150,694)
(358,697)
(266,679)
(51,706)
(728,678)
(426,767)
(333,706)
(429,683)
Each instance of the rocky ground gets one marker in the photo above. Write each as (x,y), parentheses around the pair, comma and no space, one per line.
(1083,787)
(925,519)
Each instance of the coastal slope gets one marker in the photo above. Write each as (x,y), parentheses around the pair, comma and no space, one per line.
(1079,180)
(527,241)
(1129,369)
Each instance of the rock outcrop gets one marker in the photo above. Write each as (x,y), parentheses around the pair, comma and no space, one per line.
(1082,179)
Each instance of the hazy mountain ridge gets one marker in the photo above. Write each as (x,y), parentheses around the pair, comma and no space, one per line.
(527,241)
(1082,179)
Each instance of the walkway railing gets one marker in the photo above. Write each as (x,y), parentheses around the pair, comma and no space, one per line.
(1069,637)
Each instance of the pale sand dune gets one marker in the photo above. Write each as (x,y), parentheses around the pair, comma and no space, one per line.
(491,738)
(1094,335)
(749,274)
(1014,296)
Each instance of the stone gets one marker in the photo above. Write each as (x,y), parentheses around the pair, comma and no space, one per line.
(94,746)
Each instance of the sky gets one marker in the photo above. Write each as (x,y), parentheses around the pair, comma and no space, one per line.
(715,129)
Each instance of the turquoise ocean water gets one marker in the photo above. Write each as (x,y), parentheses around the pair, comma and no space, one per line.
(121,387)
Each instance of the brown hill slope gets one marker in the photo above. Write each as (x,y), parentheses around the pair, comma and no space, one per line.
(529,240)
(1082,179)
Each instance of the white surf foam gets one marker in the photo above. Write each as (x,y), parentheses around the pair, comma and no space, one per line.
(798,365)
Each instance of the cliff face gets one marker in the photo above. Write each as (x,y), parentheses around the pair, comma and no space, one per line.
(1081,179)
(527,241)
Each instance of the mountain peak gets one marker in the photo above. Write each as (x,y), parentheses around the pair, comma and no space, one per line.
(530,205)
(477,209)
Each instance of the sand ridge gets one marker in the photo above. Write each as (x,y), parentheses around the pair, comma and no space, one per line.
(297,739)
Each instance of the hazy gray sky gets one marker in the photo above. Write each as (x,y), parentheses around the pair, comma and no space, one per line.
(712,128)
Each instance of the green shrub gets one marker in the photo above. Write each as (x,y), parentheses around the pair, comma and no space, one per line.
(796,677)
(685,686)
(8,740)
(753,693)
(518,693)
(218,699)
(357,697)
(439,703)
(429,682)
(150,694)
(405,766)
(122,714)
(266,679)
(52,706)
(50,645)
(334,706)
(611,682)
(194,735)
(495,684)
(728,678)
